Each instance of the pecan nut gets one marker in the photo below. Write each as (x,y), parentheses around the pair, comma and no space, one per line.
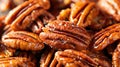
(22,40)
(106,37)
(16,62)
(47,58)
(23,15)
(6,51)
(64,35)
(115,57)
(113,5)
(72,58)
(82,13)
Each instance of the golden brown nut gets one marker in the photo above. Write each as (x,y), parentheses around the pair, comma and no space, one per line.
(22,40)
(115,57)
(64,35)
(111,7)
(6,51)
(83,13)
(23,15)
(47,58)
(106,37)
(72,58)
(16,62)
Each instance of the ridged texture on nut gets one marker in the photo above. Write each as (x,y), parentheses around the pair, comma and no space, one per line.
(22,40)
(16,62)
(72,58)
(6,51)
(106,37)
(114,8)
(83,13)
(64,35)
(27,13)
(47,58)
(116,57)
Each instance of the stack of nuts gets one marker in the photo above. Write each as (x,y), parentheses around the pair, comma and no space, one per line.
(60,33)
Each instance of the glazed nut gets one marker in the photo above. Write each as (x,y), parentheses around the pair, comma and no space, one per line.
(106,37)
(47,58)
(115,57)
(16,62)
(25,14)
(114,8)
(22,40)
(80,59)
(83,13)
(64,35)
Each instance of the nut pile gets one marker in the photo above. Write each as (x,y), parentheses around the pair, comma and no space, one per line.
(59,33)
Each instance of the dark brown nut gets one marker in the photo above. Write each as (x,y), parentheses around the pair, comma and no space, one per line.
(16,62)
(114,8)
(27,54)
(106,37)
(22,40)
(72,58)
(6,51)
(83,13)
(47,58)
(23,15)
(64,35)
(116,57)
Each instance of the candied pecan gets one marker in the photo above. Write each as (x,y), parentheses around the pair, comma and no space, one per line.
(116,57)
(6,51)
(23,15)
(82,13)
(22,40)
(27,54)
(47,58)
(16,62)
(72,58)
(106,37)
(64,35)
(113,5)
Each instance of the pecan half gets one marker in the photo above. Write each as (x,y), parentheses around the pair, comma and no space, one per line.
(64,35)
(116,57)
(6,51)
(47,58)
(23,15)
(106,37)
(16,62)
(113,5)
(72,58)
(82,13)
(22,40)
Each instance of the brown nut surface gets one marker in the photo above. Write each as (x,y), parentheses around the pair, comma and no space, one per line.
(6,51)
(115,57)
(47,58)
(25,14)
(64,35)
(106,37)
(22,40)
(16,62)
(72,58)
(113,5)
(83,13)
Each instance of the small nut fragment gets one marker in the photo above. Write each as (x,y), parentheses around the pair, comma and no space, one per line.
(22,40)
(64,35)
